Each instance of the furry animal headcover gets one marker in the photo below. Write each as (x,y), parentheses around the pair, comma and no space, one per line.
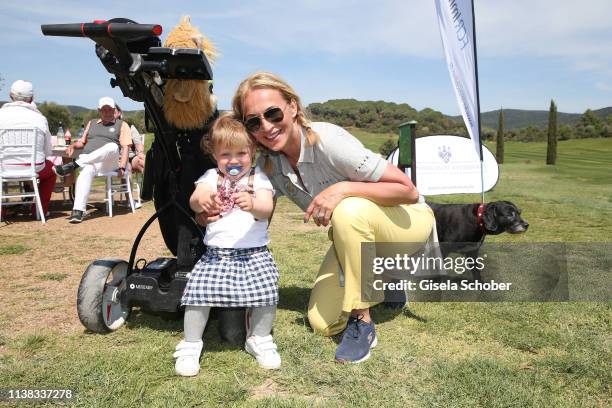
(188,103)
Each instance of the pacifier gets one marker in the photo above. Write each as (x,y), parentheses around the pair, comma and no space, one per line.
(234,170)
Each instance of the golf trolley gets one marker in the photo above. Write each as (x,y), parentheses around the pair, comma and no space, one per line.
(110,288)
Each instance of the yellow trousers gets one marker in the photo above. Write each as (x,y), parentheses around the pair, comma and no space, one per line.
(356,220)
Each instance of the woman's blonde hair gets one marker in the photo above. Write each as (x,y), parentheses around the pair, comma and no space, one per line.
(229,132)
(268,80)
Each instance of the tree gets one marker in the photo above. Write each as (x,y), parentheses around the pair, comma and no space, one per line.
(55,114)
(551,150)
(566,132)
(137,119)
(386,148)
(499,147)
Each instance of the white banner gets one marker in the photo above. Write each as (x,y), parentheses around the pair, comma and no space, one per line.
(457,32)
(449,165)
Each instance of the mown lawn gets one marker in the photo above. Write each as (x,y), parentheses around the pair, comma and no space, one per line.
(429,354)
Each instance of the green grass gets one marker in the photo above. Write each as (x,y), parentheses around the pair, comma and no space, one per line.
(372,141)
(430,354)
(16,249)
(52,276)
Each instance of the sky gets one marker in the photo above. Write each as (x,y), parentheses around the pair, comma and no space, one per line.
(529,51)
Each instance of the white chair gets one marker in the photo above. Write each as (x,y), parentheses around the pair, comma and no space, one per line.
(17,165)
(122,187)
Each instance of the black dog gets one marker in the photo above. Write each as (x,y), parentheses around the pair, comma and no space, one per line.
(462,227)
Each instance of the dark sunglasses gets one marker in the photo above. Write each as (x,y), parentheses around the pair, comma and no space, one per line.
(273,114)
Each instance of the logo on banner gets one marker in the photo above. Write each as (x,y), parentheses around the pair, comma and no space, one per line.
(444,153)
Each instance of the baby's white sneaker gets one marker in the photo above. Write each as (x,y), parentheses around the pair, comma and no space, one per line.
(264,351)
(187,356)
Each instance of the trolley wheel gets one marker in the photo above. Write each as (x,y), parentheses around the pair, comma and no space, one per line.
(98,298)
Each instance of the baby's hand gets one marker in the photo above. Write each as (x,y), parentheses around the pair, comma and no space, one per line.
(208,202)
(243,200)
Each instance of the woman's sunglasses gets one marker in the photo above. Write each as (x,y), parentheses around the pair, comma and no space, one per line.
(273,114)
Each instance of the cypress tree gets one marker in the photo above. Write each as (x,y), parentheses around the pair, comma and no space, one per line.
(499,151)
(551,150)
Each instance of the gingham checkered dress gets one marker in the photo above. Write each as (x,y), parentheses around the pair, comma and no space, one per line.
(228,277)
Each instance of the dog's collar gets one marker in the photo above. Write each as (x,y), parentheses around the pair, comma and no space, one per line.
(479,213)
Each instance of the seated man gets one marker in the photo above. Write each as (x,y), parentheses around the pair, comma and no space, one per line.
(105,143)
(22,113)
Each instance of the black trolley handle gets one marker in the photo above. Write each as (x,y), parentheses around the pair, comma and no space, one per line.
(101,28)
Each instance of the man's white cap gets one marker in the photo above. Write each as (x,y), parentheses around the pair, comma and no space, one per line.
(106,101)
(22,89)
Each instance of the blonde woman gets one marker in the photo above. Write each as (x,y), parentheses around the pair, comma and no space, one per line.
(335,180)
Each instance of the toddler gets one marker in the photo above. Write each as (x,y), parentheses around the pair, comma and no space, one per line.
(237,269)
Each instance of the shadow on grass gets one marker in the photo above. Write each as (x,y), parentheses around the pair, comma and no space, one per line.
(293,298)
(380,314)
(158,321)
(411,315)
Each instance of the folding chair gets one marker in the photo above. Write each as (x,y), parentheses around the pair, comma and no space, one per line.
(122,187)
(17,165)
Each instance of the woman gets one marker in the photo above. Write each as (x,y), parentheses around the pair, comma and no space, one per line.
(334,179)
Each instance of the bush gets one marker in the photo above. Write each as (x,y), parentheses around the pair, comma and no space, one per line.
(387,147)
(55,114)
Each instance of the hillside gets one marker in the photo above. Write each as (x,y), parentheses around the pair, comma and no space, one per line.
(380,116)
(77,109)
(519,118)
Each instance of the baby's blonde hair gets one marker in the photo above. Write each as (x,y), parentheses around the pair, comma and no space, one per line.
(227,131)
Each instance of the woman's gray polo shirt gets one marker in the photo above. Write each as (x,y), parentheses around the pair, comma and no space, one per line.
(338,156)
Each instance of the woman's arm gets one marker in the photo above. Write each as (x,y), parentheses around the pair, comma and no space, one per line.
(203,200)
(393,188)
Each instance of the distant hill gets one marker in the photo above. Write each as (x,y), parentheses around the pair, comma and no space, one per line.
(603,112)
(72,108)
(518,118)
(77,109)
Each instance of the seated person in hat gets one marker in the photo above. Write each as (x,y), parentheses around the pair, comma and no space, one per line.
(105,143)
(22,112)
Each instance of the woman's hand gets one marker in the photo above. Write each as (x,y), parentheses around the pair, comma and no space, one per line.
(323,205)
(208,202)
(204,219)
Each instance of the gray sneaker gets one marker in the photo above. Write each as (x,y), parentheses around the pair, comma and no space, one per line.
(76,217)
(357,340)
